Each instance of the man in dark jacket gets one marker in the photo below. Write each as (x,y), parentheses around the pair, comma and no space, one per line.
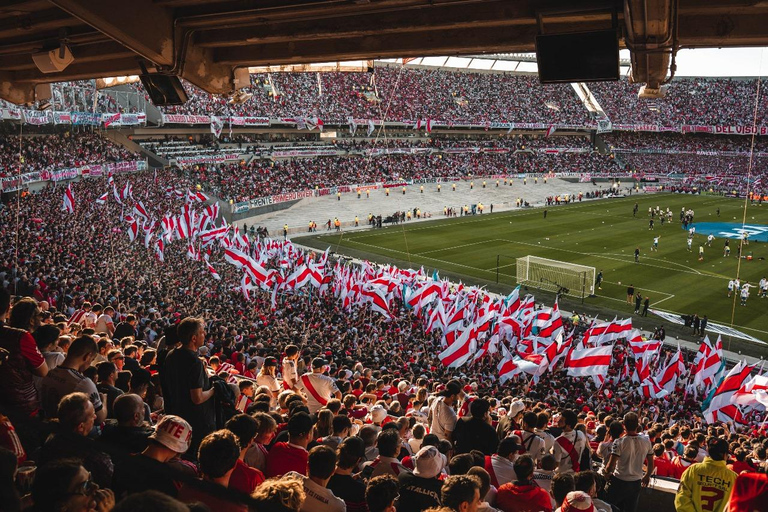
(476,432)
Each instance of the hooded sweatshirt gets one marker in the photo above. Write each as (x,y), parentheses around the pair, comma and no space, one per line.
(523,497)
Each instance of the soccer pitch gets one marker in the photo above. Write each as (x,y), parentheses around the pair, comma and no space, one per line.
(602,234)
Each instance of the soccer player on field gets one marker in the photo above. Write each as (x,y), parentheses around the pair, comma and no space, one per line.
(655,246)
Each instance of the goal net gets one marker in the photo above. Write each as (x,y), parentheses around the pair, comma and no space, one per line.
(556,276)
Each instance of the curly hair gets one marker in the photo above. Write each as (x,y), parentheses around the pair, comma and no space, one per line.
(280,495)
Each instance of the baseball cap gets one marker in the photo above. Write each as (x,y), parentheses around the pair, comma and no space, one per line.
(318,362)
(428,462)
(516,408)
(174,433)
(577,501)
(378,413)
(270,361)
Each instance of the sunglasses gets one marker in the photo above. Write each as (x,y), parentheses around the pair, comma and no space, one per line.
(85,489)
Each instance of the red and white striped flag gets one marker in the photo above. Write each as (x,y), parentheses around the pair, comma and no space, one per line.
(102,199)
(708,364)
(213,272)
(550,131)
(69,200)
(720,407)
(460,350)
(589,362)
(669,375)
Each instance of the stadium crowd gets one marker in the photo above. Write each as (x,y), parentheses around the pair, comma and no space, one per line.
(241,181)
(397,94)
(693,101)
(136,384)
(57,151)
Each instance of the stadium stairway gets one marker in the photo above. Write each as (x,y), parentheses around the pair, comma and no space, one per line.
(118,137)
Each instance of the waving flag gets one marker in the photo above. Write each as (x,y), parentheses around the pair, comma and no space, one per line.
(589,362)
(718,406)
(159,248)
(213,272)
(197,196)
(708,364)
(69,200)
(102,199)
(751,390)
(669,375)
(460,350)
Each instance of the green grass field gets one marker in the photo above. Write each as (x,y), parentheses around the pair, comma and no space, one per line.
(602,234)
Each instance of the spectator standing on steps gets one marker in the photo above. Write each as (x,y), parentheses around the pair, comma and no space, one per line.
(625,465)
(186,388)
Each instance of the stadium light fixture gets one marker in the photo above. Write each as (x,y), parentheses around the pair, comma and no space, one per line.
(112,81)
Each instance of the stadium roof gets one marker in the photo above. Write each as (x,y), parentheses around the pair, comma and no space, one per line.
(207,41)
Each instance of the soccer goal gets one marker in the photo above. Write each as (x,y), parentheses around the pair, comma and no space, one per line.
(560,277)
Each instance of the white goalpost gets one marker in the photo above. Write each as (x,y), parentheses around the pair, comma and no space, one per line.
(560,277)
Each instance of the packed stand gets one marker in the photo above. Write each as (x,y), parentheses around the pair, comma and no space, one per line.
(58,151)
(241,181)
(689,101)
(683,143)
(397,94)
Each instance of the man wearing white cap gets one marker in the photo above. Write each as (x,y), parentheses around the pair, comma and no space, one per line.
(317,387)
(420,490)
(577,501)
(155,466)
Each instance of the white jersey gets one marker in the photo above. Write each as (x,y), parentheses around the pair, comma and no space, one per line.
(318,389)
(710,238)
(731,285)
(290,375)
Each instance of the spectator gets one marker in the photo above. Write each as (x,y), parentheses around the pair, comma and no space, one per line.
(218,455)
(280,495)
(321,465)
(625,465)
(186,388)
(523,493)
(750,491)
(421,489)
(500,465)
(562,485)
(317,387)
(577,501)
(570,445)
(381,494)
(18,396)
(126,328)
(485,488)
(256,455)
(386,463)
(291,456)
(343,485)
(130,435)
(66,485)
(107,375)
(692,497)
(585,481)
(159,466)
(476,432)
(244,478)
(76,418)
(68,378)
(461,493)
(442,414)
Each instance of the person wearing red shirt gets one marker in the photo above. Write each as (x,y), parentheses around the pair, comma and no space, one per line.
(661,466)
(750,492)
(244,478)
(293,455)
(18,396)
(740,465)
(523,494)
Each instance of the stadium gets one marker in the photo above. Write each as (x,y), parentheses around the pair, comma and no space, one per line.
(378,256)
